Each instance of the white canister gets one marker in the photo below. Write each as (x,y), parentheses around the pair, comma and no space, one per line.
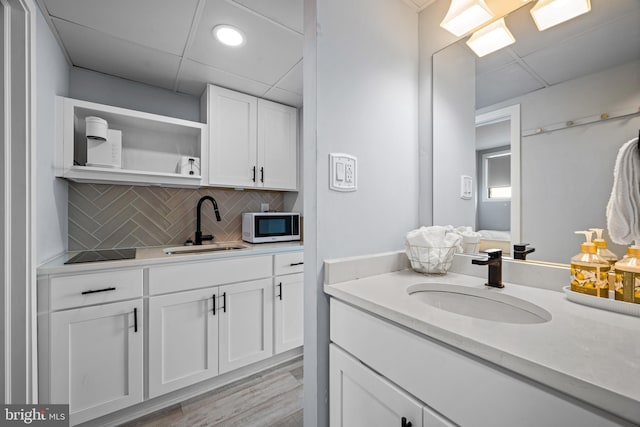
(96,128)
(105,154)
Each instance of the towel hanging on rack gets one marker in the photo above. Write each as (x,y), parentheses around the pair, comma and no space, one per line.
(623,209)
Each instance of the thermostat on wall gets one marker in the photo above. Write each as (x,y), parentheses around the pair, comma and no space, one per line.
(342,172)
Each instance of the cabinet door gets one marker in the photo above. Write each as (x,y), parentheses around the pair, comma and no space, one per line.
(277,146)
(96,355)
(183,339)
(232,133)
(360,397)
(287,309)
(246,323)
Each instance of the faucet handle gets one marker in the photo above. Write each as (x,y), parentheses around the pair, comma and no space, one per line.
(493,253)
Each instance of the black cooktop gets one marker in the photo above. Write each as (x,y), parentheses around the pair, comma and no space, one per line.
(103,255)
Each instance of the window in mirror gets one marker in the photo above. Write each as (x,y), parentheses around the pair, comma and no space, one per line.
(497,175)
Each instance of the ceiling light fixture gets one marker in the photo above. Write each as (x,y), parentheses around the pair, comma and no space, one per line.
(465,15)
(228,35)
(493,37)
(548,13)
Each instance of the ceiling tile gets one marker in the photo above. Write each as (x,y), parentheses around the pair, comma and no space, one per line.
(503,84)
(604,47)
(193,76)
(270,50)
(284,97)
(529,39)
(292,81)
(285,12)
(97,51)
(160,24)
(494,61)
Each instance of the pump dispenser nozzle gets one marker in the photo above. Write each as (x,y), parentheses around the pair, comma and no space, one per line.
(587,246)
(598,232)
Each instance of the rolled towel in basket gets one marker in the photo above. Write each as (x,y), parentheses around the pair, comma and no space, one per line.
(429,248)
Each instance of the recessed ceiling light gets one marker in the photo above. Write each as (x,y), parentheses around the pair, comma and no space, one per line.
(228,35)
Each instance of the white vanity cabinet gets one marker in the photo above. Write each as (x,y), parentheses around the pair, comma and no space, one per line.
(93,353)
(252,142)
(453,385)
(288,301)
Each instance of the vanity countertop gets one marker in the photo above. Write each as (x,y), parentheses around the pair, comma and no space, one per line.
(587,353)
(155,256)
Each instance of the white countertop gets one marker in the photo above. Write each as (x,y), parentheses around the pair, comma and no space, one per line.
(591,354)
(153,256)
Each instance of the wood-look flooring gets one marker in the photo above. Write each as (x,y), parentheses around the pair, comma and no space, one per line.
(272,398)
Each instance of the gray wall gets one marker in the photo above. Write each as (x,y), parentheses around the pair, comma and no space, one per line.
(105,89)
(454,135)
(361,98)
(567,175)
(52,78)
(432,38)
(491,215)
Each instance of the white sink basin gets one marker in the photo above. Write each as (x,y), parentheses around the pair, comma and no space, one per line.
(479,303)
(216,247)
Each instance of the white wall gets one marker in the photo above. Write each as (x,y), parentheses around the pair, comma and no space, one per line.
(361,98)
(110,90)
(567,175)
(52,78)
(454,135)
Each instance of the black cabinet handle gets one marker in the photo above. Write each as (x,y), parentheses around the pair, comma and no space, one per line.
(261,174)
(214,304)
(98,290)
(224,302)
(293,264)
(405,423)
(135,319)
(280,294)
(254,174)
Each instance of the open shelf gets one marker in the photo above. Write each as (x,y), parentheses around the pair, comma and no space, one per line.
(152,146)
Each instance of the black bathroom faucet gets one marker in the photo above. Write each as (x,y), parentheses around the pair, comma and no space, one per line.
(199,237)
(520,251)
(494,261)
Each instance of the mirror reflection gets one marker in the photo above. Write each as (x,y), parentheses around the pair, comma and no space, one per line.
(577,87)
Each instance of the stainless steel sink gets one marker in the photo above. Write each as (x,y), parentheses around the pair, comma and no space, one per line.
(217,247)
(479,303)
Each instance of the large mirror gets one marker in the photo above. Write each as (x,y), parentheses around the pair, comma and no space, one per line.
(537,125)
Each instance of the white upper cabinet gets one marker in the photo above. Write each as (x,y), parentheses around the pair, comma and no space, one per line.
(153,147)
(253,142)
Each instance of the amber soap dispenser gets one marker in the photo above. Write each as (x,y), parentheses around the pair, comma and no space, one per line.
(628,276)
(589,270)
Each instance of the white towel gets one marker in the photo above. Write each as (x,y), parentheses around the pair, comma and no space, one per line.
(623,209)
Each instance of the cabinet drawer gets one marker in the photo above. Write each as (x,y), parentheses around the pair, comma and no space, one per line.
(210,273)
(94,288)
(288,263)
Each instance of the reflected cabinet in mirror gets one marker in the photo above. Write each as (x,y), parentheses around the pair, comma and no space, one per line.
(538,124)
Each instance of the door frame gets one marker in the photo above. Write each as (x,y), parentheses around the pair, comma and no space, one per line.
(17,127)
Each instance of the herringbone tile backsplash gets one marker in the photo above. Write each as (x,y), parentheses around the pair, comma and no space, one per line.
(116,216)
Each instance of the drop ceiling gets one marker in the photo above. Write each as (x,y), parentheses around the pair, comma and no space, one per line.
(169,44)
(606,37)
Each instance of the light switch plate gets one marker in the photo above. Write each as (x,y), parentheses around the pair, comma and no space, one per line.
(343,174)
(466,187)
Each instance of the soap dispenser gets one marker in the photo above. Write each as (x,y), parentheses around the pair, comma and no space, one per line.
(601,244)
(628,276)
(589,270)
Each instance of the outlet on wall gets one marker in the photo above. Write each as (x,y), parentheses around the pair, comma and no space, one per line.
(264,207)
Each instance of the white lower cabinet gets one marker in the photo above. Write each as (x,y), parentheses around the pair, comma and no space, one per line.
(246,323)
(96,357)
(361,398)
(288,312)
(183,339)
(460,388)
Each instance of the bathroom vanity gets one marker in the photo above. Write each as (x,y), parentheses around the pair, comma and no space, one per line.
(401,357)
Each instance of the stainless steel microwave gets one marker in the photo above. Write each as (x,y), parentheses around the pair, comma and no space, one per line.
(263,227)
